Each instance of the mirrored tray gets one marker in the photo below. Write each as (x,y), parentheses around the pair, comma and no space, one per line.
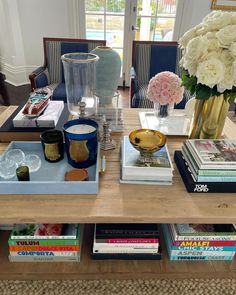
(174,124)
(49,179)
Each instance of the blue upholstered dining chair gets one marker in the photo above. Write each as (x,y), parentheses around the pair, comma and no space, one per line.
(52,73)
(148,59)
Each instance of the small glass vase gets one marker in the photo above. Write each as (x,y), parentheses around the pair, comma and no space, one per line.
(162,111)
(209,118)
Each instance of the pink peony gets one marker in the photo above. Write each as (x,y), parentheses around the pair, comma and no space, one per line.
(165,88)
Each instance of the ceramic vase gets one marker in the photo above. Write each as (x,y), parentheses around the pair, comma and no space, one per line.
(107,73)
(209,117)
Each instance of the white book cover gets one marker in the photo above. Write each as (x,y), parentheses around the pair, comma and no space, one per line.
(163,167)
(48,118)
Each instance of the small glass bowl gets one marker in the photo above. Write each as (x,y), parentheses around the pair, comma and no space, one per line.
(7,168)
(33,162)
(15,155)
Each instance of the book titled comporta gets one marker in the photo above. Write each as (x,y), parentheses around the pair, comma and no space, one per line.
(200,187)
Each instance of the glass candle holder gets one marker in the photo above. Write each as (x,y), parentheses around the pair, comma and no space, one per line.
(81,142)
(53,148)
(79,71)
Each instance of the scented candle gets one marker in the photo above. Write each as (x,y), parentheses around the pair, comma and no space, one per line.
(81,142)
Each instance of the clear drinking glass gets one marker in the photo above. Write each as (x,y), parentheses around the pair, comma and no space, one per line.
(79,72)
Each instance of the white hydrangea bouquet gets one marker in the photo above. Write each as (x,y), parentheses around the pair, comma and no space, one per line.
(209,56)
(209,71)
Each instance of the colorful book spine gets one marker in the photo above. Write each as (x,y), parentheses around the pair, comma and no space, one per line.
(44,258)
(216,178)
(45,253)
(128,245)
(43,242)
(126,250)
(200,187)
(43,237)
(197,258)
(177,238)
(204,243)
(200,253)
(128,241)
(135,256)
(43,248)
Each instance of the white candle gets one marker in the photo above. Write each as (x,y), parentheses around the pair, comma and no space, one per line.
(81,129)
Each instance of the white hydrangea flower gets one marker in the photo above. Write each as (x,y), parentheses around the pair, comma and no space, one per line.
(189,35)
(217,20)
(210,72)
(228,80)
(226,57)
(213,44)
(196,49)
(227,35)
(232,48)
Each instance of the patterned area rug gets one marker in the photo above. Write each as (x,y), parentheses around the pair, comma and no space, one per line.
(232,116)
(120,287)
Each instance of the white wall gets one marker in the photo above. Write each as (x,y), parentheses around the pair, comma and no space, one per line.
(24,23)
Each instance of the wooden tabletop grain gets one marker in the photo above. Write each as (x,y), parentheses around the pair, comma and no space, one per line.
(117,202)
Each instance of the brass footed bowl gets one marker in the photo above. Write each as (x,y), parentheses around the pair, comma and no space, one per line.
(147,141)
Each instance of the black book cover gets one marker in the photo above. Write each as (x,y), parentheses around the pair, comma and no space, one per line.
(124,256)
(200,187)
(9,128)
(126,230)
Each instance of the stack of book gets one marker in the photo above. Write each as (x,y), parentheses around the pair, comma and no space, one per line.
(204,164)
(200,241)
(126,241)
(45,242)
(159,172)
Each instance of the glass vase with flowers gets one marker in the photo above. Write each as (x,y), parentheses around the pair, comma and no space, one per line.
(209,71)
(164,90)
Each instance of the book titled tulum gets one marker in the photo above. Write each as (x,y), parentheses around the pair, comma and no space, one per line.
(159,172)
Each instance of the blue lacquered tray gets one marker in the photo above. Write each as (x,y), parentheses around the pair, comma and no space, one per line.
(49,179)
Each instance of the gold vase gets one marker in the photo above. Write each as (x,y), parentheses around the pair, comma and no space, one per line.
(209,117)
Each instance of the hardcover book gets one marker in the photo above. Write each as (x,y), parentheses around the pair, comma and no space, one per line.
(213,153)
(193,186)
(45,231)
(161,170)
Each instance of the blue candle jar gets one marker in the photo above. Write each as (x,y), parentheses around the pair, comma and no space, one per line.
(81,142)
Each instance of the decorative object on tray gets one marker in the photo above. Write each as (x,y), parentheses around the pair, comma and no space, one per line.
(49,179)
(107,73)
(107,143)
(22,173)
(48,118)
(53,146)
(77,175)
(37,102)
(158,171)
(113,112)
(165,89)
(81,142)
(147,142)
(209,57)
(79,69)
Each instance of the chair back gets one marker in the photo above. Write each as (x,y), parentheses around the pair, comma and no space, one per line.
(148,59)
(54,48)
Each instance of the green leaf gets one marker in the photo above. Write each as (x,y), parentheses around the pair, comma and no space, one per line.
(203,91)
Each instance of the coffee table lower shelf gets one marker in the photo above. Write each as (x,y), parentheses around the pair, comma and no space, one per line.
(111,269)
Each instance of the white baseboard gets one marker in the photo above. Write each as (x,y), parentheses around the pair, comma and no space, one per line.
(17,76)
